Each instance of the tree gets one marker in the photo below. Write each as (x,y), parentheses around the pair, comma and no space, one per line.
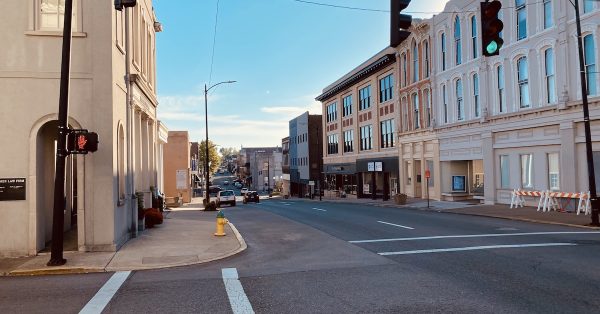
(228,151)
(213,156)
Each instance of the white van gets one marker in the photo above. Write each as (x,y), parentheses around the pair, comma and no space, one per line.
(226,197)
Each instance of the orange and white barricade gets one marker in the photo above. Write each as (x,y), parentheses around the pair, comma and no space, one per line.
(551,201)
(518,200)
(584,204)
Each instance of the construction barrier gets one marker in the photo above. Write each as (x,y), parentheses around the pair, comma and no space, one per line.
(517,198)
(552,202)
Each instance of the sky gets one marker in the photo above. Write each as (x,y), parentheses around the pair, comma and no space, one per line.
(281,53)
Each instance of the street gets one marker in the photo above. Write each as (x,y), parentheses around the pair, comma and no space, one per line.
(317,257)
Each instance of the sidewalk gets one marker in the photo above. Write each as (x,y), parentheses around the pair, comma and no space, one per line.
(529,214)
(185,238)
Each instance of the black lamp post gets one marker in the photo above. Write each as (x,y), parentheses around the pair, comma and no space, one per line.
(206,169)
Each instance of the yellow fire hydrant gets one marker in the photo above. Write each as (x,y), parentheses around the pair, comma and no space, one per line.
(221,221)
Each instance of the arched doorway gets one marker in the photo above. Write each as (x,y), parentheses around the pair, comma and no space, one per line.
(45,170)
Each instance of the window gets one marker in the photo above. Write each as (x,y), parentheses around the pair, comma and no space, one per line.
(527,171)
(347,102)
(364,95)
(405,114)
(429,167)
(590,64)
(415,62)
(443,46)
(445,103)
(501,18)
(504,172)
(366,137)
(348,141)
(457,44)
(426,58)
(588,6)
(404,70)
(415,103)
(521,19)
(332,144)
(386,85)
(427,107)
(387,133)
(522,79)
(501,100)
(460,110)
(52,15)
(332,112)
(548,14)
(550,80)
(477,109)
(474,35)
(553,172)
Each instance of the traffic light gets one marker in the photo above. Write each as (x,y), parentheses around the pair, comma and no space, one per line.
(399,23)
(491,26)
(120,4)
(82,142)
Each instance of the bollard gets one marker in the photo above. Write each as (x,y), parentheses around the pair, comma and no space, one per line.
(221,221)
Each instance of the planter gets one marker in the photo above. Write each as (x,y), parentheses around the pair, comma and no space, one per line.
(400,199)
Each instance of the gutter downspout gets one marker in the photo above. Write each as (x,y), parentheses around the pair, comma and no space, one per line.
(129,118)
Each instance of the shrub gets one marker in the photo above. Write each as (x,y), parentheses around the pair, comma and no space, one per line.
(153,217)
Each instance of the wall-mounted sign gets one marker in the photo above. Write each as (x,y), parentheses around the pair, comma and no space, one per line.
(311,182)
(371,166)
(12,189)
(182,179)
(378,166)
(366,188)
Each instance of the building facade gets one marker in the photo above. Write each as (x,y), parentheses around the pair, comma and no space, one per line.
(305,154)
(360,116)
(261,167)
(100,209)
(285,166)
(177,166)
(473,127)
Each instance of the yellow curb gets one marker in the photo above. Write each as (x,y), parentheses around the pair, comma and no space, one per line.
(55,271)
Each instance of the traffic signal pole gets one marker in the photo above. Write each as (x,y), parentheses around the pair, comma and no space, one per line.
(56,254)
(594,202)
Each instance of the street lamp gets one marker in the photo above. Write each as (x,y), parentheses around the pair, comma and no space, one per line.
(206,89)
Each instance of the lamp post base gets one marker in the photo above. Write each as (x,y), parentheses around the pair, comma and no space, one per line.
(56,262)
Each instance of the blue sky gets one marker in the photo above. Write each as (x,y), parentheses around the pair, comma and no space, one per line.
(282,53)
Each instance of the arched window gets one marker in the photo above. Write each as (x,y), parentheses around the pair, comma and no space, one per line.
(404,70)
(590,64)
(474,35)
(501,96)
(426,58)
(457,44)
(476,105)
(549,76)
(416,118)
(521,13)
(445,103)
(443,49)
(523,81)
(415,62)
(460,110)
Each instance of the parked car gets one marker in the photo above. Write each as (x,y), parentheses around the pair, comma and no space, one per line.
(251,196)
(237,185)
(225,182)
(243,191)
(226,197)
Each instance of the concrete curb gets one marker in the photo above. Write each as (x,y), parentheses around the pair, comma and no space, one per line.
(55,271)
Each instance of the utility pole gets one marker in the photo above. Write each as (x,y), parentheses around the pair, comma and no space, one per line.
(594,201)
(56,255)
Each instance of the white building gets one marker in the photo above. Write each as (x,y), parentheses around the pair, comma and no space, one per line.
(100,214)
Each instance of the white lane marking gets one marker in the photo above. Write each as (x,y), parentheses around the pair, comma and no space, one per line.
(475,236)
(286,204)
(237,297)
(395,225)
(472,248)
(323,210)
(106,293)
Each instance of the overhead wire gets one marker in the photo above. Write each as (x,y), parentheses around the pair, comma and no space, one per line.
(212,57)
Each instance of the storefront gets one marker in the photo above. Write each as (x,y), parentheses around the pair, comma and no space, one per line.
(340,179)
(377,177)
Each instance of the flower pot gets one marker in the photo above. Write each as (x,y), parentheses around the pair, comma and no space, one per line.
(400,199)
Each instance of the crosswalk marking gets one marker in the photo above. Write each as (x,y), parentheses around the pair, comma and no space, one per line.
(106,293)
(237,297)
(475,236)
(472,248)
(323,210)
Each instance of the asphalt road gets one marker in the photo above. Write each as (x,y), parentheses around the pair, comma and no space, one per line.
(319,257)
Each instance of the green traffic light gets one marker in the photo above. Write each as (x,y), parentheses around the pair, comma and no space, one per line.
(492,47)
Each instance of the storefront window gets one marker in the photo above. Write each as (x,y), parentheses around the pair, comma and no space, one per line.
(527,171)
(553,172)
(504,172)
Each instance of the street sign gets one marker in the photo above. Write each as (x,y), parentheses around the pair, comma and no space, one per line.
(427,174)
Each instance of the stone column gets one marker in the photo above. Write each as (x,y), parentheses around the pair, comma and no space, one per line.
(489,169)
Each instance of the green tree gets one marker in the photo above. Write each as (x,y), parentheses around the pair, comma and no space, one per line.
(229,151)
(213,156)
